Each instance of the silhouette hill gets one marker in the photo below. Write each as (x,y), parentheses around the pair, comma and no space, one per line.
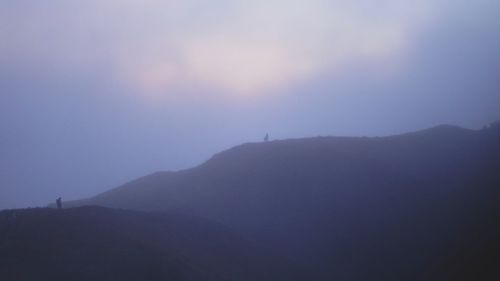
(405,207)
(96,243)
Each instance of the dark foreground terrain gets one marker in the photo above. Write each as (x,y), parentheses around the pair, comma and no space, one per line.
(422,206)
(96,243)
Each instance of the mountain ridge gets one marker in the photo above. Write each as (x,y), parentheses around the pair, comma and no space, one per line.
(249,145)
(429,133)
(397,200)
(439,128)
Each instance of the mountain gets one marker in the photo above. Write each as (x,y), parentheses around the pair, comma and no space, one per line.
(96,243)
(402,207)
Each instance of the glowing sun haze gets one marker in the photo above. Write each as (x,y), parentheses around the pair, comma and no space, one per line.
(238,47)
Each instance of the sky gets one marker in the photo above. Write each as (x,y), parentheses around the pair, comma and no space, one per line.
(96,93)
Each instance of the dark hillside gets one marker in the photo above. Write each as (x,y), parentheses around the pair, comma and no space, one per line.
(387,208)
(95,243)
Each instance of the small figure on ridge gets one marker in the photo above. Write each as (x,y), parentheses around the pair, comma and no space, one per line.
(59,203)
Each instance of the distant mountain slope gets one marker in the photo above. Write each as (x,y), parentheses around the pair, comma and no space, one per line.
(391,208)
(95,243)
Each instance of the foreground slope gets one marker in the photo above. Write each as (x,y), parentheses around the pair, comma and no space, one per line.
(390,208)
(95,243)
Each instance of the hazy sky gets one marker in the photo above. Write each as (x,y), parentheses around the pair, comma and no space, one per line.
(95,93)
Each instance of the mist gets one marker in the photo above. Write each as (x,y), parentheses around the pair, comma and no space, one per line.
(94,95)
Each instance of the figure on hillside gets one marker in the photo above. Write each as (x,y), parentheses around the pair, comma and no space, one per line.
(59,203)
(266,138)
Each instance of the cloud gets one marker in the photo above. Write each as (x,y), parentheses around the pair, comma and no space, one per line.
(241,47)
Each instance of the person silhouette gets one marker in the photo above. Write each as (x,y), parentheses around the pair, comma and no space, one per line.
(59,203)
(266,138)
